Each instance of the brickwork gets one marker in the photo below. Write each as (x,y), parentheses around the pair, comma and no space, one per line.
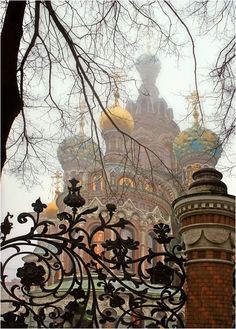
(209,295)
(209,254)
(209,282)
(205,218)
(207,222)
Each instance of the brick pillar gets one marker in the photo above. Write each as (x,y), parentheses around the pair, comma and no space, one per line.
(207,220)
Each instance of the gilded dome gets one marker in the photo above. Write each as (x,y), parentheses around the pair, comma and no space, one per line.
(51,210)
(120,116)
(197,140)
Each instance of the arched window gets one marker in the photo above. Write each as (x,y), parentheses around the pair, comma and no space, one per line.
(97,183)
(196,167)
(190,170)
(149,187)
(188,175)
(126,181)
(113,178)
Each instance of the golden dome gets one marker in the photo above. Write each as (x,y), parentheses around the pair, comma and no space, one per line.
(120,116)
(51,210)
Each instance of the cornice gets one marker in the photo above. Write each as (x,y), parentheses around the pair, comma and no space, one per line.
(196,204)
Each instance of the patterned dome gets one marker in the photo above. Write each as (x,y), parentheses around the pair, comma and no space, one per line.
(197,141)
(77,151)
(121,117)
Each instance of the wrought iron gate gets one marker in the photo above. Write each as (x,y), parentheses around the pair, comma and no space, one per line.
(109,289)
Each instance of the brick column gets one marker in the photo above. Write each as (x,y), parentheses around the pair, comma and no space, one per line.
(207,219)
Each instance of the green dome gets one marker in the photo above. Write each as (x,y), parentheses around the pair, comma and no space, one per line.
(78,150)
(196,142)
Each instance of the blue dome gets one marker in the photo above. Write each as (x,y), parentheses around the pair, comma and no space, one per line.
(197,142)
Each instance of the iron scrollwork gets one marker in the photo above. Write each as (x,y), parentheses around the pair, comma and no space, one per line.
(65,282)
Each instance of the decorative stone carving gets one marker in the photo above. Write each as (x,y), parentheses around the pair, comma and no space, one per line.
(207,237)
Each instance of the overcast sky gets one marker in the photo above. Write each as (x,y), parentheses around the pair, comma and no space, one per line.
(175,82)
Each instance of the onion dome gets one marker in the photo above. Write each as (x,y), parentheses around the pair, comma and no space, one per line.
(148,66)
(120,116)
(197,141)
(197,144)
(77,151)
(51,210)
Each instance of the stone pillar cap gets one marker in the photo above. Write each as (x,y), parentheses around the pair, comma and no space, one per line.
(208,181)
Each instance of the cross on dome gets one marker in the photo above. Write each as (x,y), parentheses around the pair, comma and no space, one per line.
(194,100)
(57,181)
(115,115)
(117,77)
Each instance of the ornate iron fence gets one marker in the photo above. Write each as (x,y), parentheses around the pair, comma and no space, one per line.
(110,289)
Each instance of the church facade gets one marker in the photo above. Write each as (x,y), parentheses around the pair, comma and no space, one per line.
(147,170)
(142,178)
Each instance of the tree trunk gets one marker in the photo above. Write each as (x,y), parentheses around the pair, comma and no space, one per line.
(11,102)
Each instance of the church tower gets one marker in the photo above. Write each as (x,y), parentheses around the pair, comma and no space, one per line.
(114,122)
(154,123)
(142,197)
(147,161)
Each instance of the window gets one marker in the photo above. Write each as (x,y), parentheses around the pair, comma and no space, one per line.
(126,181)
(113,178)
(98,239)
(149,187)
(97,183)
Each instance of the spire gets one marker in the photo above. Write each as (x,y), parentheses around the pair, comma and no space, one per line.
(117,77)
(148,37)
(194,100)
